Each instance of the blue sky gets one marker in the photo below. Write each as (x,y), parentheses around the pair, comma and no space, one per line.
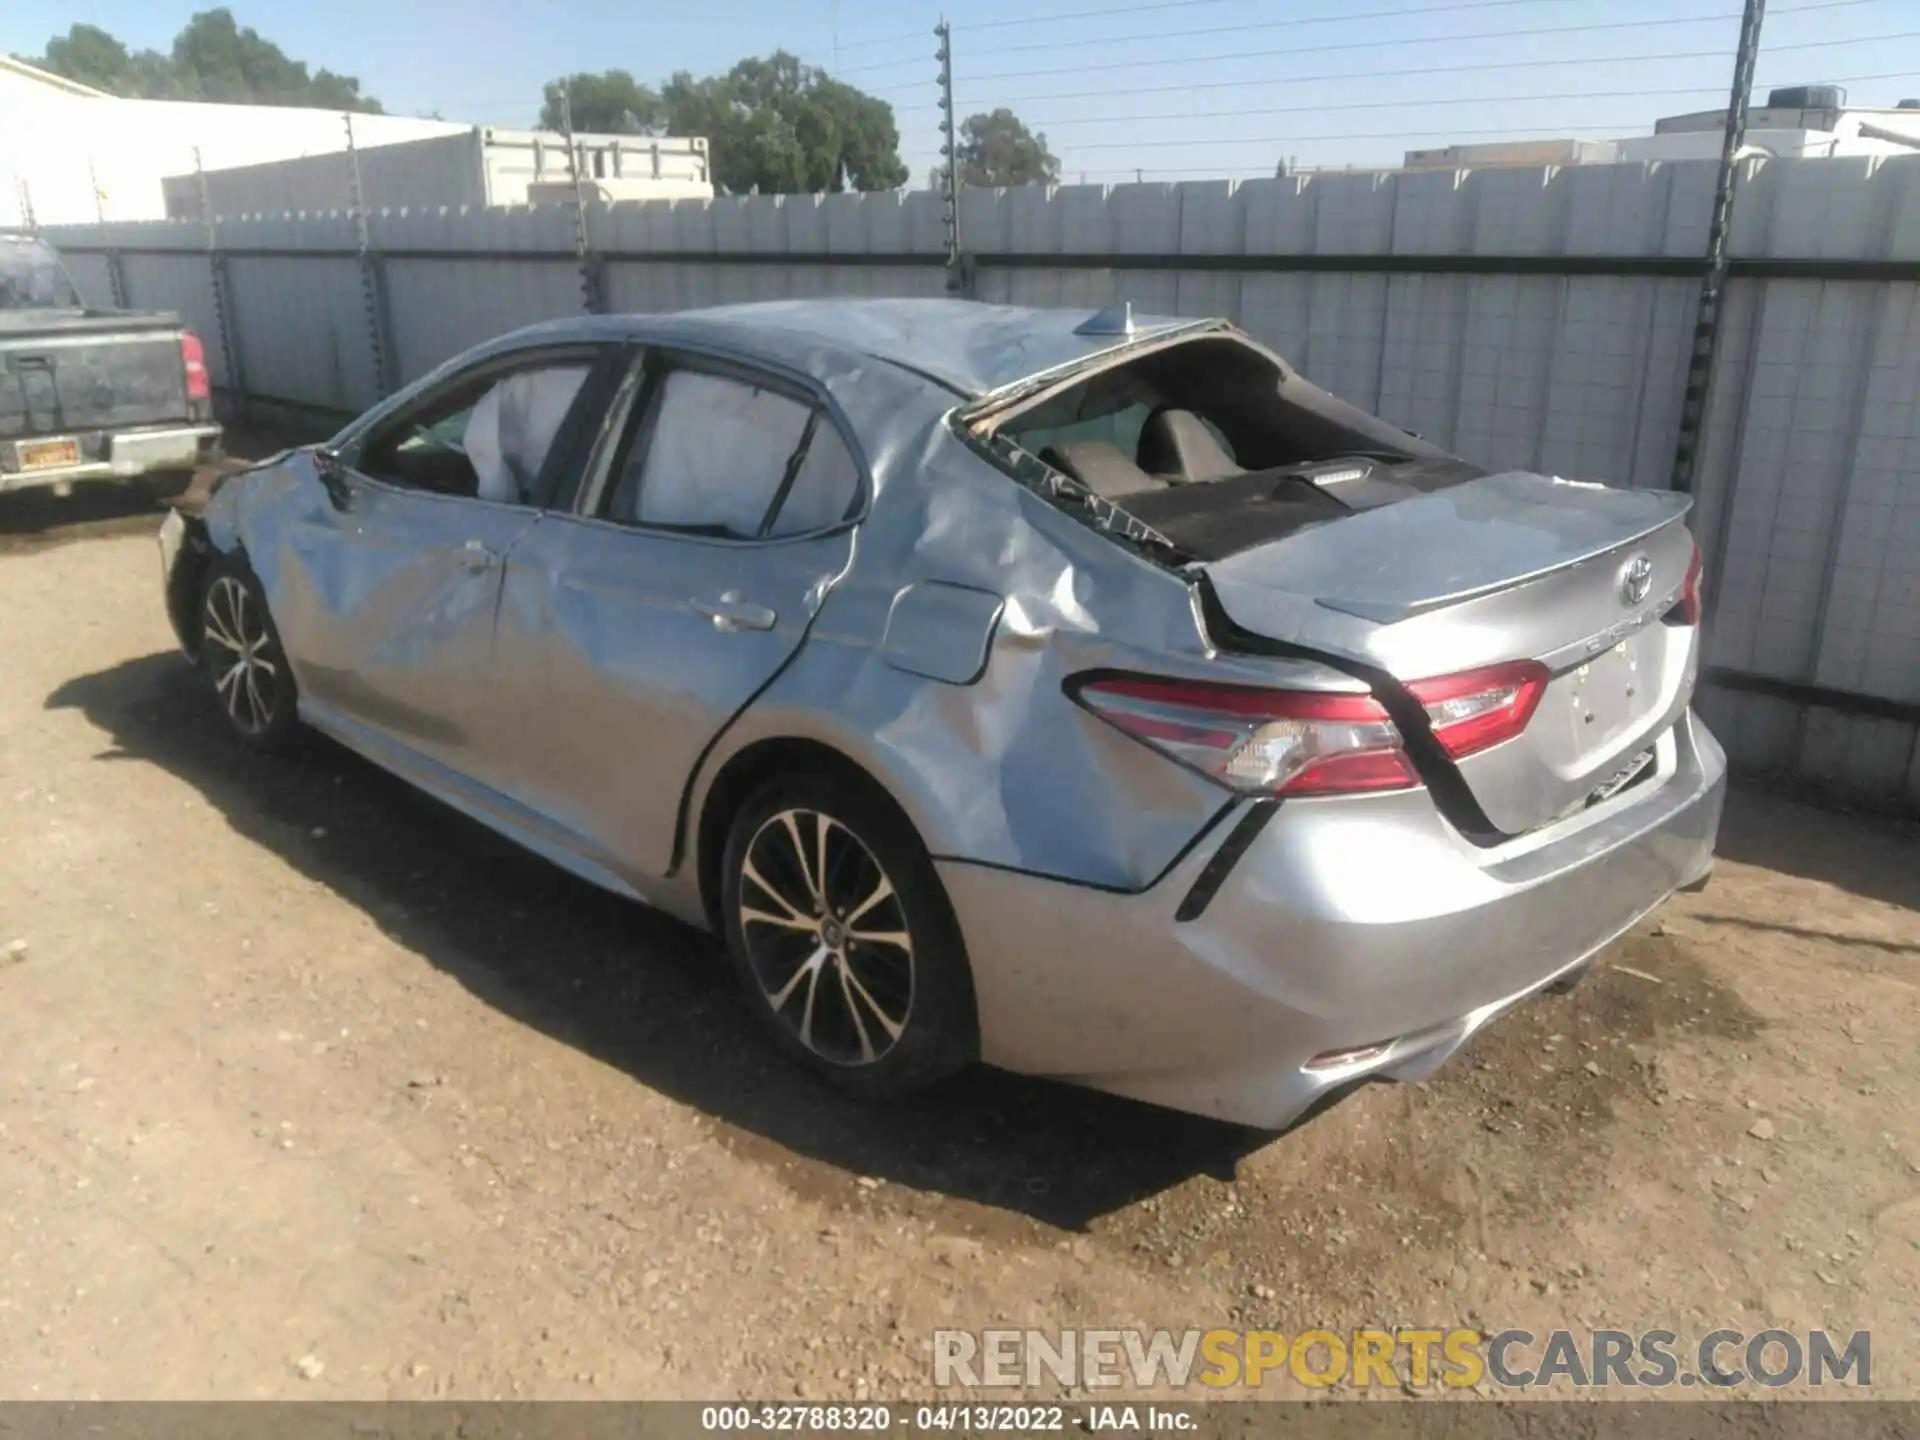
(1172,88)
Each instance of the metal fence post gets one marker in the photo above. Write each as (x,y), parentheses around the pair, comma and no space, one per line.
(373,290)
(593,291)
(117,280)
(220,282)
(959,268)
(1706,331)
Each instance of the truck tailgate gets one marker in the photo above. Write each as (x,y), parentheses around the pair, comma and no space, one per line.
(57,379)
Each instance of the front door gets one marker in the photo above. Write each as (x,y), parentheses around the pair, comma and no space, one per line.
(654,616)
(387,605)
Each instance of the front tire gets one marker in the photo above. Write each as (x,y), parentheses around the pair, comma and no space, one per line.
(241,654)
(844,939)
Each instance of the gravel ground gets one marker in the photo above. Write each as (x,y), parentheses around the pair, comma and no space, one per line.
(310,1088)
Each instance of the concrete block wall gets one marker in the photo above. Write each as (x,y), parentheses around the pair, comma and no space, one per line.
(1808,497)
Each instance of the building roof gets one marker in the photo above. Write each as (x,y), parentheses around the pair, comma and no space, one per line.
(21,68)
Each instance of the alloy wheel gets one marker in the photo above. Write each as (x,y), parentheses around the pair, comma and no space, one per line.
(240,654)
(826,937)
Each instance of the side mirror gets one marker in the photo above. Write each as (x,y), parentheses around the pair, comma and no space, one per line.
(332,470)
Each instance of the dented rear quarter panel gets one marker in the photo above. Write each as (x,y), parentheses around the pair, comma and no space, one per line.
(965,717)
(936,662)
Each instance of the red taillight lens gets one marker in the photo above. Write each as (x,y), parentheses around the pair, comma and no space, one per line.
(193,355)
(1476,709)
(1270,742)
(1690,592)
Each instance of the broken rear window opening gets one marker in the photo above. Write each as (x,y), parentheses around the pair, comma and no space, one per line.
(32,277)
(1204,447)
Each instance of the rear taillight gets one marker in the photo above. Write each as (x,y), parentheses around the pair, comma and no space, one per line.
(1688,610)
(193,355)
(1258,741)
(1476,709)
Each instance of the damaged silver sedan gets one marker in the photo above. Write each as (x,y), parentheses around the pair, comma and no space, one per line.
(1093,697)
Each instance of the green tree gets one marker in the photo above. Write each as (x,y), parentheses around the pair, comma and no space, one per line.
(779,126)
(998,149)
(213,58)
(222,61)
(90,55)
(610,103)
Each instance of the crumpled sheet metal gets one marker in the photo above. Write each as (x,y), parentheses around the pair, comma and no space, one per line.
(994,763)
(1005,770)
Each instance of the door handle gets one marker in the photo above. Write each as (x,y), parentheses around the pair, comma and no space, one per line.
(477,558)
(730,612)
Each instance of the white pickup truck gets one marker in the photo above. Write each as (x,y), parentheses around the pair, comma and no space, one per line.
(92,394)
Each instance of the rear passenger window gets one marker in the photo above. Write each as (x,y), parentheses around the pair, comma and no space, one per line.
(717,454)
(715,457)
(824,487)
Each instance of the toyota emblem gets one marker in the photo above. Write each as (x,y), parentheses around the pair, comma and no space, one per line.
(1636,580)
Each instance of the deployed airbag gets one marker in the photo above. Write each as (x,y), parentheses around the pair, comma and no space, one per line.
(510,431)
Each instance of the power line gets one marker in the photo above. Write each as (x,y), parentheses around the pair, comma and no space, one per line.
(1283,24)
(1451,6)
(1447,100)
(1391,105)
(1099,14)
(920,35)
(1349,135)
(1402,40)
(1031,20)
(1473,68)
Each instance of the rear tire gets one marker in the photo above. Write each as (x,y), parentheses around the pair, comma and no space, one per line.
(844,939)
(241,655)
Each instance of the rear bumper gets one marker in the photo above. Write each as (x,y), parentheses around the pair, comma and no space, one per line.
(1348,923)
(125,455)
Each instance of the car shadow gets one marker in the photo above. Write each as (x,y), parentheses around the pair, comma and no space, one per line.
(1872,856)
(636,989)
(39,519)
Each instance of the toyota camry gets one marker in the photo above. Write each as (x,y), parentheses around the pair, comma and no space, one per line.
(1085,694)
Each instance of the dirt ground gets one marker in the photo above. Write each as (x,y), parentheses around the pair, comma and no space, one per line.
(310,1088)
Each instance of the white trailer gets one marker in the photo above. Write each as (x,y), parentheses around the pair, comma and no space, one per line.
(481,166)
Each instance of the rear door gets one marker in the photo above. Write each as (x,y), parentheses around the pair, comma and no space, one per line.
(391,575)
(1589,581)
(640,626)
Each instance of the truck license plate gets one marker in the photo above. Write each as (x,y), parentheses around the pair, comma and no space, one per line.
(48,454)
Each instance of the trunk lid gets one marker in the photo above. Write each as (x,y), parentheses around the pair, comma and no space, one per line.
(64,372)
(1505,567)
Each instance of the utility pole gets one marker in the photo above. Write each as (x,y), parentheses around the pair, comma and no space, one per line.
(958,280)
(1713,284)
